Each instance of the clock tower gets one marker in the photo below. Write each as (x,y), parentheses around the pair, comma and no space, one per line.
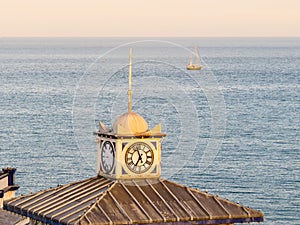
(129,149)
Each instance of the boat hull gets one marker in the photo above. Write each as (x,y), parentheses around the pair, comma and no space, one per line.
(193,67)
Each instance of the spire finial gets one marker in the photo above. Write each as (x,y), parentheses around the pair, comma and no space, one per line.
(129,82)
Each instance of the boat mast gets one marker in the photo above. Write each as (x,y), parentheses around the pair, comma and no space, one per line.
(129,82)
(191,60)
(197,56)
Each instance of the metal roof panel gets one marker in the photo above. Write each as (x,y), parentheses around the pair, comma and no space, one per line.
(101,201)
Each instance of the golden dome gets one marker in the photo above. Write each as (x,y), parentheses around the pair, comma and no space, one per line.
(130,123)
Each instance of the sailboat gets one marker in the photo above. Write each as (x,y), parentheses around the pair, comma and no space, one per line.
(191,65)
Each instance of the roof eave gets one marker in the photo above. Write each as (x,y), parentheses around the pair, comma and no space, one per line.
(30,215)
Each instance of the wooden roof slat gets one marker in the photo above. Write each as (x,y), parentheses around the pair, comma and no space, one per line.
(199,203)
(82,208)
(105,214)
(163,200)
(66,201)
(33,196)
(90,222)
(136,202)
(25,197)
(55,197)
(97,203)
(119,206)
(76,217)
(176,199)
(220,204)
(151,203)
(248,213)
(70,214)
(78,196)
(82,215)
(50,192)
(186,199)
(68,209)
(78,204)
(74,212)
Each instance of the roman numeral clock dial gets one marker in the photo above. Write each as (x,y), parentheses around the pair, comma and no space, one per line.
(139,157)
(107,157)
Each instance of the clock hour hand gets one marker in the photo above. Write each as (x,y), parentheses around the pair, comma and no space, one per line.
(140,158)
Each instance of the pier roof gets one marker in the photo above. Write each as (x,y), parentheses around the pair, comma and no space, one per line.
(7,188)
(101,201)
(8,218)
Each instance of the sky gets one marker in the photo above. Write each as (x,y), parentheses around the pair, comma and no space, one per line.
(149,18)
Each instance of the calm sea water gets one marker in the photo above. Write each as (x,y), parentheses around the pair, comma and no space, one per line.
(233,127)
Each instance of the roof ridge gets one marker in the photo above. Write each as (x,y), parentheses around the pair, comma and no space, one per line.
(97,201)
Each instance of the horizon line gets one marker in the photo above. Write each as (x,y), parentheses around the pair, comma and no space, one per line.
(41,36)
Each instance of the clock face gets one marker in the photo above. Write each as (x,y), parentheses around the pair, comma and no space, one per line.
(139,157)
(107,156)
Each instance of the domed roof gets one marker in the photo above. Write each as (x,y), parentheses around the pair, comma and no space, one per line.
(130,123)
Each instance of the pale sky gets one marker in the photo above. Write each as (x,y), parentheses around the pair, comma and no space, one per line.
(149,18)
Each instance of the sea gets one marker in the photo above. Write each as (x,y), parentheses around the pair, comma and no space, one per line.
(233,127)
